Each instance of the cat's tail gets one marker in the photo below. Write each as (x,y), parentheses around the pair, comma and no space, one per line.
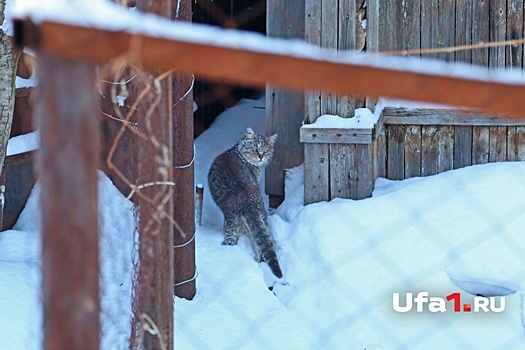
(262,238)
(269,256)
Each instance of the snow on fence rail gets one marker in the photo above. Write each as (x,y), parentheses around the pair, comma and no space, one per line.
(284,65)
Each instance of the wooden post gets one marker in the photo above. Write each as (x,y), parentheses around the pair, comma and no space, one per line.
(183,155)
(155,302)
(66,113)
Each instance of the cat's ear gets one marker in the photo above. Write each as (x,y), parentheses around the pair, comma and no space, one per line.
(272,139)
(250,134)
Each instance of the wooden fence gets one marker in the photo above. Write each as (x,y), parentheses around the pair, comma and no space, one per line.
(405,143)
(425,142)
(429,24)
(422,142)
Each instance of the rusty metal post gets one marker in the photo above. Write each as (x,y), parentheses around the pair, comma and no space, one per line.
(183,155)
(66,113)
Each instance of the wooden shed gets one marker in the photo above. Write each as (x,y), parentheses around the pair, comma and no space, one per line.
(406,142)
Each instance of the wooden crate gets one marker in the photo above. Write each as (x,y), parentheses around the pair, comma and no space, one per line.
(339,163)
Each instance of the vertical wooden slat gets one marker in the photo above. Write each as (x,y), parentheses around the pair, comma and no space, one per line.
(329,33)
(396,153)
(480,31)
(480,145)
(345,106)
(329,29)
(520,132)
(429,25)
(429,150)
(446,148)
(462,146)
(346,41)
(446,27)
(498,143)
(412,151)
(381,155)
(411,25)
(374,20)
(66,113)
(364,174)
(342,170)
(312,34)
(497,29)
(312,100)
(512,144)
(463,30)
(515,28)
(346,24)
(316,175)
(391,27)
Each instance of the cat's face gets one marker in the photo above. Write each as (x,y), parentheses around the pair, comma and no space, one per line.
(257,150)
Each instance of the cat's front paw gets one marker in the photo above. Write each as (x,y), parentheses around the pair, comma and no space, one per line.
(230,240)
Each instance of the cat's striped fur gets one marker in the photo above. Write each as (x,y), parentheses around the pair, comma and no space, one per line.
(234,186)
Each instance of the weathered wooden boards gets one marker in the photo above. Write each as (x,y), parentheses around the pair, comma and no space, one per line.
(419,142)
(428,142)
(344,163)
(329,24)
(415,142)
(284,108)
(341,163)
(429,24)
(333,157)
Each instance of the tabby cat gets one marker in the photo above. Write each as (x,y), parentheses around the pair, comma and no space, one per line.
(234,185)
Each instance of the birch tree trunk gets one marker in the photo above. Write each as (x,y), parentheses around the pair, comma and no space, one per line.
(8,62)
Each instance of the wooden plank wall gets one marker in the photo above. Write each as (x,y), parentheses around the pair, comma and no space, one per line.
(424,24)
(426,142)
(284,108)
(430,144)
(329,24)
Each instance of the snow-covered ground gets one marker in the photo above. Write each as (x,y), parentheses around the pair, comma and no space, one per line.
(342,262)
